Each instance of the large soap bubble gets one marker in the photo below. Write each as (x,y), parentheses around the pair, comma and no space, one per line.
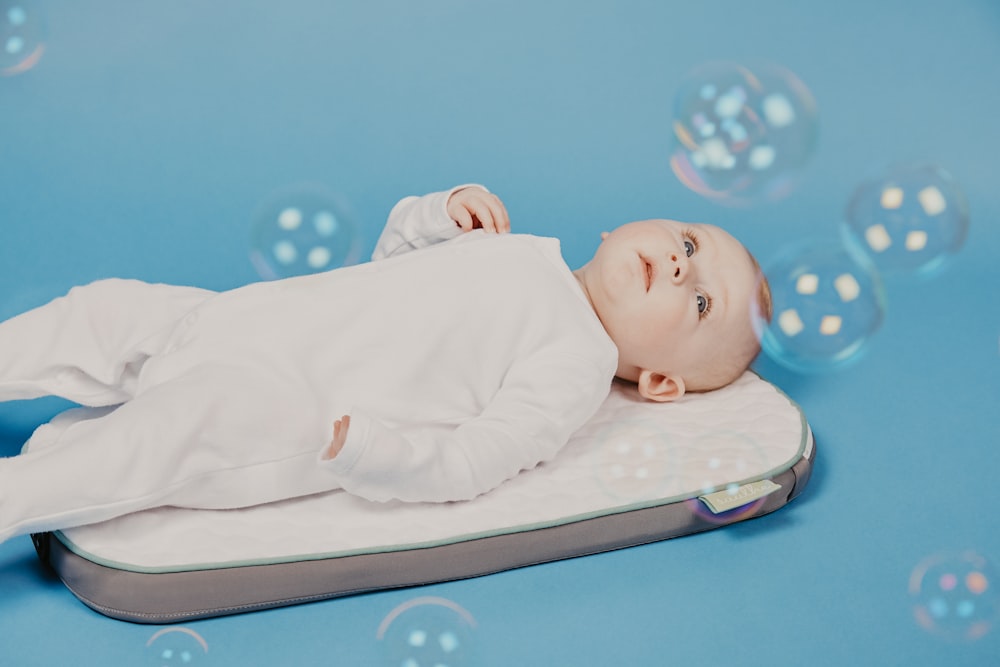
(827,303)
(908,219)
(303,230)
(742,133)
(22,36)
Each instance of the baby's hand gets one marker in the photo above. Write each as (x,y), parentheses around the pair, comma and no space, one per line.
(339,436)
(472,208)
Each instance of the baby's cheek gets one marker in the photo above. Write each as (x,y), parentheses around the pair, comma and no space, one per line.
(667,318)
(653,334)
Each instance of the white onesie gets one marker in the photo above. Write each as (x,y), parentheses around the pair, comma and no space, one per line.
(461,364)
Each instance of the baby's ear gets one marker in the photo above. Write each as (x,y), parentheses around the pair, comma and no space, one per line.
(660,387)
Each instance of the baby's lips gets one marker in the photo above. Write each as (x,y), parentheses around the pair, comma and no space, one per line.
(648,272)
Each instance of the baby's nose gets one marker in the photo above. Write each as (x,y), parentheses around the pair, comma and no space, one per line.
(678,267)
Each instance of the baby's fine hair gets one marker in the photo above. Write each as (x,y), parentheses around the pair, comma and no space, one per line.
(764,308)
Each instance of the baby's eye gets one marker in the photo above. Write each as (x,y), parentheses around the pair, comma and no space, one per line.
(702,304)
(688,248)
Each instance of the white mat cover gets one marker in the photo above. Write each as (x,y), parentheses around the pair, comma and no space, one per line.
(633,454)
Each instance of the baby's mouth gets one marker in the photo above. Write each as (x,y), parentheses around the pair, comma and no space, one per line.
(648,271)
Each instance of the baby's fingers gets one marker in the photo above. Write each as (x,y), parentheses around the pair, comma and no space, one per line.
(491,214)
(340,427)
(501,221)
(484,217)
(463,218)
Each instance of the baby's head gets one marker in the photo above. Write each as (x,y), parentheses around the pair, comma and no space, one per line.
(677,299)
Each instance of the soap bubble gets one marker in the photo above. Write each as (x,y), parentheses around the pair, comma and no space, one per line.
(303,230)
(956,596)
(742,134)
(634,459)
(22,36)
(178,647)
(911,218)
(428,632)
(722,461)
(827,303)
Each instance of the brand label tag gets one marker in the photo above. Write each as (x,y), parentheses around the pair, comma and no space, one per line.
(738,496)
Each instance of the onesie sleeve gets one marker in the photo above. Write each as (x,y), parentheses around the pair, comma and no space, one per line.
(542,402)
(417,222)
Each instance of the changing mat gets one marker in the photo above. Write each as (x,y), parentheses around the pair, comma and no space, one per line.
(637,472)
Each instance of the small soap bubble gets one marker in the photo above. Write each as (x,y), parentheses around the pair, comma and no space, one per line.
(908,219)
(22,36)
(956,595)
(176,647)
(722,462)
(633,460)
(827,303)
(428,632)
(742,133)
(303,230)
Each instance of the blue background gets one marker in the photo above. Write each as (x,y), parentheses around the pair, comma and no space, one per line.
(148,134)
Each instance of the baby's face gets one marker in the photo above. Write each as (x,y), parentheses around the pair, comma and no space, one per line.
(673,296)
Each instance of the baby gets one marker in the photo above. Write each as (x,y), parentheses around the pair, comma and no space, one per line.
(444,372)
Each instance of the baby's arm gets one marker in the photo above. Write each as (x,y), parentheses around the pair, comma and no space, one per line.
(540,404)
(417,222)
